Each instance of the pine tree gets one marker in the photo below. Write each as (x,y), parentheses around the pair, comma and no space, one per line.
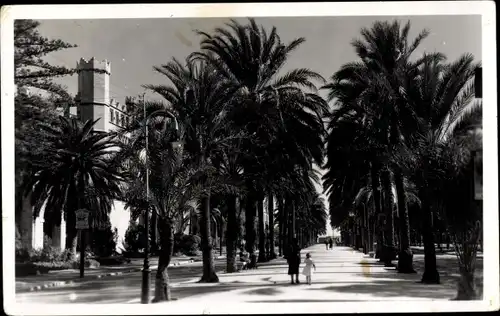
(31,71)
(32,110)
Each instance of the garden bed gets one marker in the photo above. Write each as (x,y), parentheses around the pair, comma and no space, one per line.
(40,267)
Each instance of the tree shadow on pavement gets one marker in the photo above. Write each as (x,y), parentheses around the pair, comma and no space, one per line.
(302,301)
(394,289)
(256,289)
(375,263)
(273,290)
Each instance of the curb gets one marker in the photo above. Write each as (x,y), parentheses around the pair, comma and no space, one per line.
(98,276)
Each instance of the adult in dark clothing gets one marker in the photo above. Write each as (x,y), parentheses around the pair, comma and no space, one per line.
(331,243)
(293,260)
(326,243)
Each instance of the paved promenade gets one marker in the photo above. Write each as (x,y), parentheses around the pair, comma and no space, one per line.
(342,275)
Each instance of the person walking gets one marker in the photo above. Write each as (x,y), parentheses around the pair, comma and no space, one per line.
(331,243)
(307,271)
(326,243)
(293,260)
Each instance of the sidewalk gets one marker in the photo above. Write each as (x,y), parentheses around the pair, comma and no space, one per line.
(64,277)
(343,274)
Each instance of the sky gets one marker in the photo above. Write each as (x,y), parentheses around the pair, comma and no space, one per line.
(134,46)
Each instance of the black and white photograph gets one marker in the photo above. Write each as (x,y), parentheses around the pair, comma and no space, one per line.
(249,158)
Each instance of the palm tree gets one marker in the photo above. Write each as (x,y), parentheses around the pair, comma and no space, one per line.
(365,199)
(461,213)
(354,156)
(200,97)
(312,217)
(270,211)
(170,183)
(379,83)
(265,106)
(227,162)
(443,97)
(74,161)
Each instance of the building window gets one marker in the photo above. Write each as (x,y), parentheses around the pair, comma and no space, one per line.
(123,120)
(112,115)
(117,118)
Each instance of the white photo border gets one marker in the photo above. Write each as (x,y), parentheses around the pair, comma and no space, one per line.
(376,8)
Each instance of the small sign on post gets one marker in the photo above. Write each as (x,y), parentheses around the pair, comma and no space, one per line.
(82,219)
(82,223)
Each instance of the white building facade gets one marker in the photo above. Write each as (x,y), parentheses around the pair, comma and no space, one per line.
(93,102)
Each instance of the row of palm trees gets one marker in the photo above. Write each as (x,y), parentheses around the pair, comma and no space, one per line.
(246,132)
(402,137)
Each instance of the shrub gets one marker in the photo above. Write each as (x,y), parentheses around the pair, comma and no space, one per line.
(22,254)
(134,238)
(47,254)
(103,242)
(177,242)
(186,244)
(89,263)
(40,267)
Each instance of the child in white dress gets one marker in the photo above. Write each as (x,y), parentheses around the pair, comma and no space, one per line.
(308,268)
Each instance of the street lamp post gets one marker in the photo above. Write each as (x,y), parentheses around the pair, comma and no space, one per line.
(146,271)
(366,230)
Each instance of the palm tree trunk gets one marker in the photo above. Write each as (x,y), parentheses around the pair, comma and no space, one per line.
(294,227)
(209,275)
(191,223)
(162,287)
(468,253)
(221,236)
(286,225)
(250,233)
(270,210)
(375,183)
(405,257)
(71,234)
(154,238)
(262,231)
(389,248)
(281,216)
(231,235)
(364,233)
(289,226)
(431,275)
(466,286)
(369,233)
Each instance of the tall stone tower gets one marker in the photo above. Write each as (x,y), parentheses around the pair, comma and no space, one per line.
(94,102)
(93,92)
(93,98)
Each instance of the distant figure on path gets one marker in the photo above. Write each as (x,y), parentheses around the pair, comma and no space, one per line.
(308,268)
(293,260)
(331,243)
(326,243)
